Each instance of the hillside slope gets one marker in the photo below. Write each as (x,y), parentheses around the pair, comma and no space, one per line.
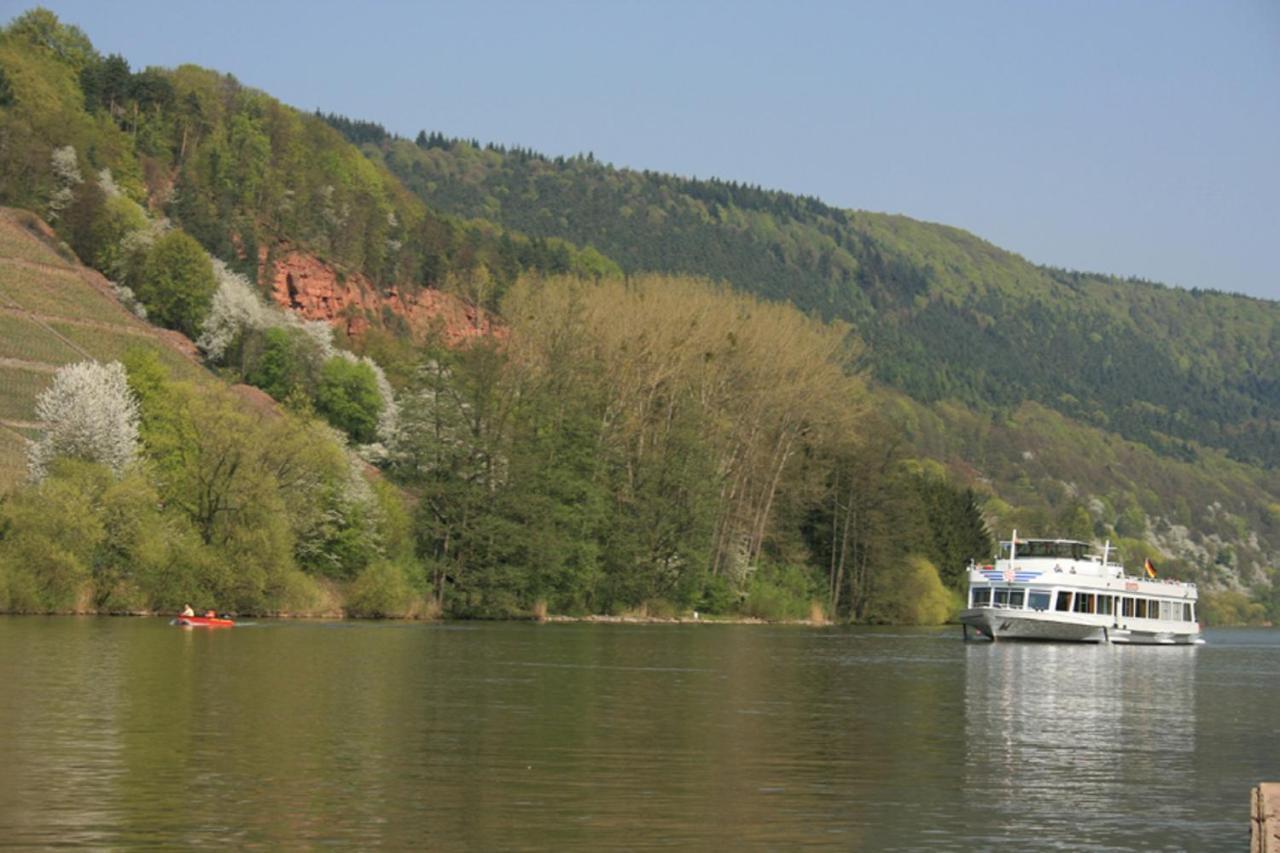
(948,316)
(1152,410)
(54,312)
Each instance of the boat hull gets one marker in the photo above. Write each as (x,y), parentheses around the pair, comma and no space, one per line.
(202,622)
(1002,624)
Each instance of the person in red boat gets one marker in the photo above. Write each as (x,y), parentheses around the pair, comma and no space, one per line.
(209,614)
(187,611)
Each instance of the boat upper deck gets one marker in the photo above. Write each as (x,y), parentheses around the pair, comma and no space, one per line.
(1068,563)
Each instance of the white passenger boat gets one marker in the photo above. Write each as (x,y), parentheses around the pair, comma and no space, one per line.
(1054,589)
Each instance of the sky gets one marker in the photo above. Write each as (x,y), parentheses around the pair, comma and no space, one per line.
(1121,136)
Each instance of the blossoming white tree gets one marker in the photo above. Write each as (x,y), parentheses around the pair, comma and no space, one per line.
(92,415)
(66,171)
(235,307)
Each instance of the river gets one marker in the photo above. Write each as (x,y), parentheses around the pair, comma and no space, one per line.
(118,732)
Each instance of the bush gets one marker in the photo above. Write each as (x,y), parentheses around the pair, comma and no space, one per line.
(910,594)
(718,596)
(1229,607)
(780,593)
(48,538)
(382,590)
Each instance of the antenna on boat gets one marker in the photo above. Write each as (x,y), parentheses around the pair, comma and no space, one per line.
(1106,551)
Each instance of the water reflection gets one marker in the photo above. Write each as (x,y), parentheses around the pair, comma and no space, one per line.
(115,733)
(1073,742)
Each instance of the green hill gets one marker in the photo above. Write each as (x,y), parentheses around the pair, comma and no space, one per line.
(998,356)
(948,316)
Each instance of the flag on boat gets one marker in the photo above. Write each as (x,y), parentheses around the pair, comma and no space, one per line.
(1150,567)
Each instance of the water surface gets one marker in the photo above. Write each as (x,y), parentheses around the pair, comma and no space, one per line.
(122,732)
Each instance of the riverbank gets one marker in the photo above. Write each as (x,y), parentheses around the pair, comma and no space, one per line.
(625,619)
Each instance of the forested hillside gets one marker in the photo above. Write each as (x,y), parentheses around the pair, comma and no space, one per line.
(947,316)
(700,396)
(973,336)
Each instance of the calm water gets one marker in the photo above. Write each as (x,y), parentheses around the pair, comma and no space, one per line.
(121,732)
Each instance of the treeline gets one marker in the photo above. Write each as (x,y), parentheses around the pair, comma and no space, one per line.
(661,445)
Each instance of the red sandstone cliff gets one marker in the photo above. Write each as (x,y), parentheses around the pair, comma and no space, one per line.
(314,289)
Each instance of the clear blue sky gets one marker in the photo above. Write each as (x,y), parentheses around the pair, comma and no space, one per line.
(1135,138)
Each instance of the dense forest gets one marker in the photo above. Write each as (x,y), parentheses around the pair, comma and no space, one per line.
(968,342)
(706,396)
(946,315)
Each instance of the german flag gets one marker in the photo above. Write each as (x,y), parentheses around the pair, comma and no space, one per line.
(1150,567)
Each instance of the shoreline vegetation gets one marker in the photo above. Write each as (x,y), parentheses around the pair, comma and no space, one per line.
(596,619)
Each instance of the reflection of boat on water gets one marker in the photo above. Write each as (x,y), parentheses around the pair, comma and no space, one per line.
(1066,742)
(1054,589)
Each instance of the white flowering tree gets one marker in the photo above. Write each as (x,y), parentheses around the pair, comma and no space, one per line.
(66,174)
(92,415)
(235,307)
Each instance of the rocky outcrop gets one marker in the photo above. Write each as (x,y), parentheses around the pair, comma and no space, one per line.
(316,290)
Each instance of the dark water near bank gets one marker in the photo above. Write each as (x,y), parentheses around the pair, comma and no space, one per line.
(122,732)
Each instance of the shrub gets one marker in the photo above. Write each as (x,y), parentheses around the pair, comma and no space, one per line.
(910,594)
(382,590)
(778,593)
(1229,607)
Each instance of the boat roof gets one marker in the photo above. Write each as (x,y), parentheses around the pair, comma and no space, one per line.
(1022,540)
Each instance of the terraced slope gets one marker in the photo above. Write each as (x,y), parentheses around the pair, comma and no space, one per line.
(54,312)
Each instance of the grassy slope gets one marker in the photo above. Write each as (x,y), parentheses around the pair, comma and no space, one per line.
(55,312)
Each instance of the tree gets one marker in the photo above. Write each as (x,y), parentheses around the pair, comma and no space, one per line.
(91,414)
(348,397)
(177,283)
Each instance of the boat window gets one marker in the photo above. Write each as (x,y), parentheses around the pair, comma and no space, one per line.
(1040,598)
(1106,604)
(1015,598)
(1191,612)
(1064,600)
(1084,602)
(981,596)
(1126,606)
(1001,597)
(1186,612)
(1140,608)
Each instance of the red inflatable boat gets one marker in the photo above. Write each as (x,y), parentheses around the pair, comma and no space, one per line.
(202,622)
